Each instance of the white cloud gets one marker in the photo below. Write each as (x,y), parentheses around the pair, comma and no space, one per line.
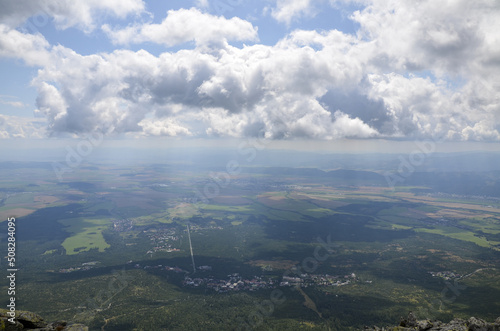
(346,126)
(416,106)
(163,127)
(11,101)
(451,40)
(185,25)
(21,127)
(422,109)
(288,10)
(51,103)
(28,44)
(236,92)
(445,37)
(17,104)
(481,131)
(33,49)
(396,79)
(76,13)
(220,122)
(246,91)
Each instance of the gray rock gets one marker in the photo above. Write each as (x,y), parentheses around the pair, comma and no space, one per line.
(30,320)
(476,324)
(26,320)
(424,325)
(8,326)
(410,323)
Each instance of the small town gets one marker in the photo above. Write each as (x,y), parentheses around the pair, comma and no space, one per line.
(447,275)
(162,240)
(85,266)
(235,282)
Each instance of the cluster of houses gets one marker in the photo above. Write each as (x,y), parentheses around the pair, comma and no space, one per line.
(83,267)
(447,275)
(161,267)
(305,280)
(162,240)
(235,282)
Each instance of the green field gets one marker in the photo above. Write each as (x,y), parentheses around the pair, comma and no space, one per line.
(86,235)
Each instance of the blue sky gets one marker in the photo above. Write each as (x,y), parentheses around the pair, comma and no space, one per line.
(325,70)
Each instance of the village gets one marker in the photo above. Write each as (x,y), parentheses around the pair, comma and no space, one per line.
(235,282)
(447,275)
(85,266)
(162,240)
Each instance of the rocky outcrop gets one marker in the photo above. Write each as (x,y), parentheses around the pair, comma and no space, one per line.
(411,323)
(26,320)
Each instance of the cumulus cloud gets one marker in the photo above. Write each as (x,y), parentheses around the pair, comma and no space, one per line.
(445,37)
(33,49)
(452,40)
(233,92)
(76,13)
(185,25)
(413,71)
(163,127)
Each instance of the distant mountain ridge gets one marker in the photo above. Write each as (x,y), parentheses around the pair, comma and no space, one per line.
(462,183)
(343,174)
